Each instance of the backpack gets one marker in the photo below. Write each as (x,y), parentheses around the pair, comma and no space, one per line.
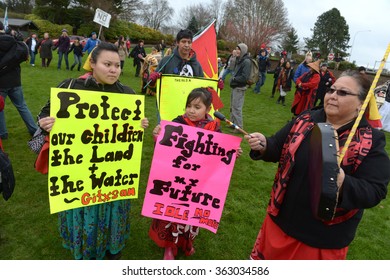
(254,73)
(7,178)
(14,56)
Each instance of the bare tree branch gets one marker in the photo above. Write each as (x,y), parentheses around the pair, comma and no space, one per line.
(254,22)
(155,13)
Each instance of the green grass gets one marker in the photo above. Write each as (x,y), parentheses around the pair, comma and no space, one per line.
(28,231)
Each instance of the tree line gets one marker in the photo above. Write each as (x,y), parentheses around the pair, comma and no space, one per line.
(253,22)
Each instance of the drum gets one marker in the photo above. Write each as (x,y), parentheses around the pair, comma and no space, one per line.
(323,171)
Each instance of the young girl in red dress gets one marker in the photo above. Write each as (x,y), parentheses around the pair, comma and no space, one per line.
(172,236)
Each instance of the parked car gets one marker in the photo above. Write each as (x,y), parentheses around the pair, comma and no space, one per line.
(83,40)
(370,71)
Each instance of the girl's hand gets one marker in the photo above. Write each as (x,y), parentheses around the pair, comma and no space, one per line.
(156,130)
(239,152)
(46,123)
(145,123)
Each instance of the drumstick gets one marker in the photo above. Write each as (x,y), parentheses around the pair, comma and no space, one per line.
(223,118)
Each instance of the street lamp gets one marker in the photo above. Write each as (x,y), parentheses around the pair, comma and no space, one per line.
(353,41)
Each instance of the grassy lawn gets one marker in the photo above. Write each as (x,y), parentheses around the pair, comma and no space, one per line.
(29,232)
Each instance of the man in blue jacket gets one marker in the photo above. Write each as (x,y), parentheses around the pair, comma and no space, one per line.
(263,62)
(91,43)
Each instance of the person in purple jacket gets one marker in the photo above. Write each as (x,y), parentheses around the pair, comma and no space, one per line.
(63,45)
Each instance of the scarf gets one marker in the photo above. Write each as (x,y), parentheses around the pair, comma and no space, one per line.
(358,148)
(208,123)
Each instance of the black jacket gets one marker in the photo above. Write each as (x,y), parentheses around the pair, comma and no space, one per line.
(29,42)
(241,72)
(135,52)
(10,76)
(362,189)
(174,64)
(77,50)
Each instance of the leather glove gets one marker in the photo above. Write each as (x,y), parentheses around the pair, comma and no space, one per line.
(221,84)
(154,76)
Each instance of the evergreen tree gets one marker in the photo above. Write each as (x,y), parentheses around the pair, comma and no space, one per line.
(290,41)
(193,25)
(330,34)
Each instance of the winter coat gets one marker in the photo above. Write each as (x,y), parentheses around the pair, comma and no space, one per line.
(11,76)
(174,64)
(63,44)
(45,48)
(242,70)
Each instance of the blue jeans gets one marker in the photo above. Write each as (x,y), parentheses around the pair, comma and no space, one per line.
(260,82)
(32,57)
(65,54)
(17,98)
(78,59)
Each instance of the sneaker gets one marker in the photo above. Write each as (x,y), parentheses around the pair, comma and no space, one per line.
(33,65)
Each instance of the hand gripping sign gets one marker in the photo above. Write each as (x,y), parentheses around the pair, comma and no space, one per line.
(190,175)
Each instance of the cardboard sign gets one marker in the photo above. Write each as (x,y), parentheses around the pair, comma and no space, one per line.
(95,147)
(172,92)
(102,18)
(190,175)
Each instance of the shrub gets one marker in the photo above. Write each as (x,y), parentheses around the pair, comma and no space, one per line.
(46,26)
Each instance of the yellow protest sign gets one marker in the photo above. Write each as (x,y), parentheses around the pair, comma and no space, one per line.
(172,92)
(95,147)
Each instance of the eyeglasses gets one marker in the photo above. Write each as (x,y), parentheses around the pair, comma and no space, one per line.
(340,92)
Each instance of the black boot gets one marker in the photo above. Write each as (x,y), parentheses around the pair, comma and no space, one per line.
(71,68)
(116,256)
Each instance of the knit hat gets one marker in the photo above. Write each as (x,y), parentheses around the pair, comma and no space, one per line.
(315,65)
(64,30)
(324,64)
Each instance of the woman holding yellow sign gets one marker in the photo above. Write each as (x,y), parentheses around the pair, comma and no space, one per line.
(99,231)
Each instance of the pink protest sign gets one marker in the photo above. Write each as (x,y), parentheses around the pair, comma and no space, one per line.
(190,175)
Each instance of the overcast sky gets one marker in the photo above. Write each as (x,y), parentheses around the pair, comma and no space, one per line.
(368,47)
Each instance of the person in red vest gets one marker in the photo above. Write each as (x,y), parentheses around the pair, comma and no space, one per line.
(307,85)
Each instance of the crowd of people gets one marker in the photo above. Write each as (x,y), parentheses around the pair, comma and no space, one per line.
(291,229)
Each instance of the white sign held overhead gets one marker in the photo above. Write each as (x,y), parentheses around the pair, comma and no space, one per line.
(102,18)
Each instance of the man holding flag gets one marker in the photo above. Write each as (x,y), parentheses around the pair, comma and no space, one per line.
(182,62)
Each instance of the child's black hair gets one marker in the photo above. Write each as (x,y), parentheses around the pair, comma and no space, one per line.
(103,46)
(202,93)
